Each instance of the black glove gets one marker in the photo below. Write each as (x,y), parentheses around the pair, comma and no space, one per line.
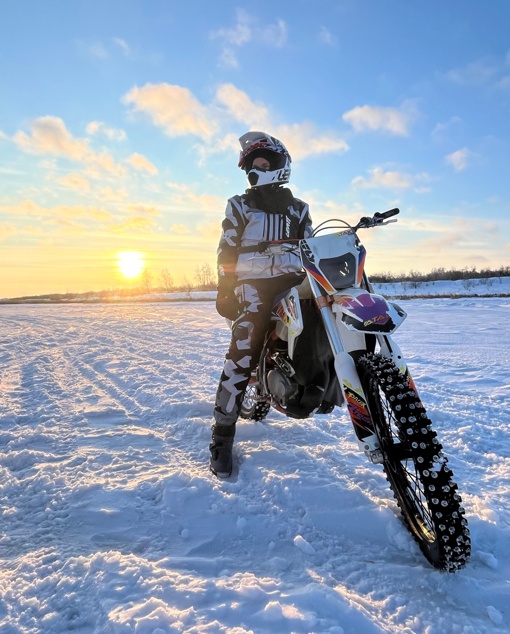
(226,300)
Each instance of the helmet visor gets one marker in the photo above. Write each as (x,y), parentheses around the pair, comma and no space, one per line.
(276,160)
(252,142)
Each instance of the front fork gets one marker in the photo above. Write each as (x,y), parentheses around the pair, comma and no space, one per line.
(348,377)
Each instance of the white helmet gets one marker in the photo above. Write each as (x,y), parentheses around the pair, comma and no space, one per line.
(260,144)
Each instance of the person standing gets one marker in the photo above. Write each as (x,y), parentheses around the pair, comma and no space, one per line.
(249,281)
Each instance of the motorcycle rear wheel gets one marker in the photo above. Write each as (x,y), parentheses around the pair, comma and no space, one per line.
(252,408)
(415,465)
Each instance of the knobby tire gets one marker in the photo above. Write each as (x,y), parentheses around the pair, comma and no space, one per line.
(252,408)
(415,465)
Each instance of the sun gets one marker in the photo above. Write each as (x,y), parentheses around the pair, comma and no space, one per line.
(130,263)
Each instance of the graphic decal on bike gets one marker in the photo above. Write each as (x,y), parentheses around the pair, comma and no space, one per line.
(308,259)
(358,409)
(366,312)
(339,266)
(287,310)
(361,264)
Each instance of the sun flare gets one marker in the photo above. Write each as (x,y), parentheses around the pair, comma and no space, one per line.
(130,263)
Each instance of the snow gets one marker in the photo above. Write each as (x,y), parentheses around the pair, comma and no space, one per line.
(112,523)
(482,287)
(465,288)
(492,286)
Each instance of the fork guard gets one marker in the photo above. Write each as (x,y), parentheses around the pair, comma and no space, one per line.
(367,312)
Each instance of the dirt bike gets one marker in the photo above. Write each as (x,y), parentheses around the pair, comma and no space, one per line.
(330,343)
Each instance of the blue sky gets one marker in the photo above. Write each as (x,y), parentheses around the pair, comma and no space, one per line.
(119,124)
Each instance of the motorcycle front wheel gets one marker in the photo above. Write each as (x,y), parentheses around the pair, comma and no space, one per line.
(415,465)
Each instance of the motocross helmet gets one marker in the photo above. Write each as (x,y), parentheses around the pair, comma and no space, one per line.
(261,145)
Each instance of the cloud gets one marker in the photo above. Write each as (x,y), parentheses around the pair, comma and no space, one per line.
(380,179)
(274,34)
(141,163)
(475,74)
(246,30)
(76,219)
(179,113)
(172,108)
(103,50)
(6,231)
(138,225)
(97,50)
(447,233)
(241,33)
(185,197)
(103,162)
(145,210)
(239,106)
(441,130)
(96,128)
(122,44)
(301,139)
(55,215)
(49,135)
(326,37)
(110,194)
(75,181)
(490,72)
(180,229)
(394,120)
(10,171)
(459,159)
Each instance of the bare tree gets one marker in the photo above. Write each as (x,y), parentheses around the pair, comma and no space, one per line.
(146,281)
(204,275)
(187,285)
(167,281)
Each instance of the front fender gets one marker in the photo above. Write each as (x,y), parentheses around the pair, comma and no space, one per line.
(367,312)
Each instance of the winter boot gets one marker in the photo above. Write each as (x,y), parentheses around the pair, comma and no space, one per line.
(221,450)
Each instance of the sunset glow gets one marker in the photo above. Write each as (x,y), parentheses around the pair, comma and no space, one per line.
(130,264)
(131,170)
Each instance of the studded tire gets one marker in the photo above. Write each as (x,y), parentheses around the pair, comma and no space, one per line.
(415,465)
(252,407)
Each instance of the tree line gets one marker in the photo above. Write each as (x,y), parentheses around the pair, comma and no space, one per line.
(439,274)
(205,279)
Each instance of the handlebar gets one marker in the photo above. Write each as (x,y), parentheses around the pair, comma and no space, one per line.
(387,214)
(273,247)
(377,219)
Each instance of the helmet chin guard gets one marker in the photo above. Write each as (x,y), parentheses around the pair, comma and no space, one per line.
(255,144)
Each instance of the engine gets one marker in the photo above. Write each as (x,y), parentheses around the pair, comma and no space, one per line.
(280,380)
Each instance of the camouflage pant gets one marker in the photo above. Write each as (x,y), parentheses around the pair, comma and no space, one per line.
(256,299)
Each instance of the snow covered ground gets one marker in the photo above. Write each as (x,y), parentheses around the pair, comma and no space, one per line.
(468,287)
(111,523)
(482,287)
(445,288)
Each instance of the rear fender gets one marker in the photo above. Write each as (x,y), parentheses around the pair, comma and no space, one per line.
(290,319)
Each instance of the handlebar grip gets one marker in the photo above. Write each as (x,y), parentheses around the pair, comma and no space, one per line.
(387,214)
